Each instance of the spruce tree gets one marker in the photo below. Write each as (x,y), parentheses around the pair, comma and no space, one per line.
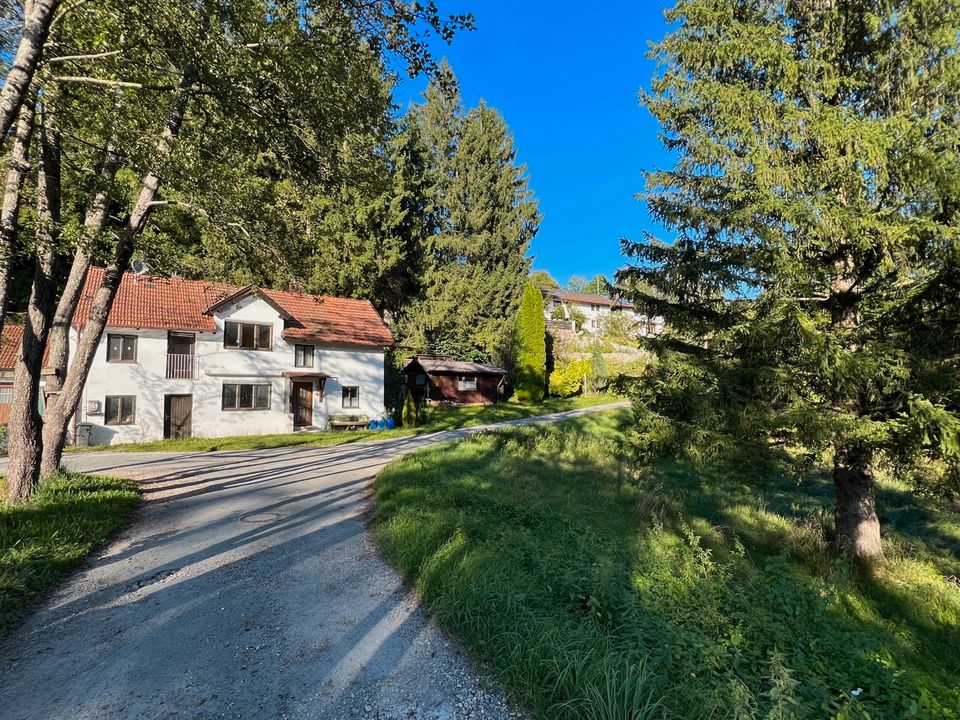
(484,217)
(529,373)
(811,290)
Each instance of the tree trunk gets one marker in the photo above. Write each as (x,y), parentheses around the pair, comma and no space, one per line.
(58,416)
(9,215)
(858,528)
(96,217)
(24,428)
(38,15)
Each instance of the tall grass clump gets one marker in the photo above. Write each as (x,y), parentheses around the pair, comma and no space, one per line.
(47,536)
(594,593)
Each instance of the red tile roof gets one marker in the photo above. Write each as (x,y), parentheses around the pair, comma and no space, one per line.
(9,344)
(178,304)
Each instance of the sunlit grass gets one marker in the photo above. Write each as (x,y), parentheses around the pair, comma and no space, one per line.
(595,593)
(44,538)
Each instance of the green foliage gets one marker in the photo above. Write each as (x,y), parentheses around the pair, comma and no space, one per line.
(542,279)
(598,368)
(579,319)
(482,218)
(558,313)
(548,559)
(566,380)
(43,539)
(409,411)
(529,374)
(811,292)
(619,327)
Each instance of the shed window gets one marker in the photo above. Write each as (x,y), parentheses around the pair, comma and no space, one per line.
(467,382)
(421,379)
(121,348)
(351,397)
(120,409)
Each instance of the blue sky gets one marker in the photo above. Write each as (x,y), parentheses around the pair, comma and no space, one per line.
(566,77)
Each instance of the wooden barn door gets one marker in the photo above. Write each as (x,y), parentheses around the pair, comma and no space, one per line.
(177,416)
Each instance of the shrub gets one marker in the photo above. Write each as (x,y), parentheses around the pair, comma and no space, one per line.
(409,416)
(567,379)
(531,331)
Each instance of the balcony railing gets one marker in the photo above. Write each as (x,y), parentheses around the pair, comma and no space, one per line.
(181,367)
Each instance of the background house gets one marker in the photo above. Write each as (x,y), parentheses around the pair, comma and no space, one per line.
(594,308)
(186,357)
(441,378)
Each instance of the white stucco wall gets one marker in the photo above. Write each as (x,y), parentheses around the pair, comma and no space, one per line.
(146,379)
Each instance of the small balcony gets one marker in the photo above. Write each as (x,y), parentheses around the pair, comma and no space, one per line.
(181,367)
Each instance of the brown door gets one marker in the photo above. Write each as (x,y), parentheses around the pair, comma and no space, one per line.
(302,404)
(177,416)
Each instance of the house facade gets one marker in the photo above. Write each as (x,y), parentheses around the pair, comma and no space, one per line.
(441,378)
(594,308)
(184,358)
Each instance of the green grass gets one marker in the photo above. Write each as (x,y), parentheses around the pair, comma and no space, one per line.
(680,594)
(436,418)
(44,538)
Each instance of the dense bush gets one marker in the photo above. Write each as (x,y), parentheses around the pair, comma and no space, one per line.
(409,415)
(567,378)
(684,595)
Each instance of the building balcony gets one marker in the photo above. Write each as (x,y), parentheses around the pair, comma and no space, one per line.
(181,367)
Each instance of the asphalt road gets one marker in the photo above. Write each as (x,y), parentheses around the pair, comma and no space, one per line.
(246,587)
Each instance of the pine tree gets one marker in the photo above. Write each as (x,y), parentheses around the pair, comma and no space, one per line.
(531,331)
(811,291)
(484,217)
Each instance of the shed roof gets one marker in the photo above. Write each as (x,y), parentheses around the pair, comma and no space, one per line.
(449,366)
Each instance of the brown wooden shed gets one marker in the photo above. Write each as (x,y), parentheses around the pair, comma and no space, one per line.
(441,378)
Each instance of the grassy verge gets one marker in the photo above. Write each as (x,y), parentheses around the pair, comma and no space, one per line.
(436,418)
(43,539)
(679,594)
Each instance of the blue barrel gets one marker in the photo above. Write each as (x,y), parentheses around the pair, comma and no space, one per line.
(372,425)
(381,424)
(390,424)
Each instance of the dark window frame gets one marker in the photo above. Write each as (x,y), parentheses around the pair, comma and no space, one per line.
(120,400)
(123,337)
(420,380)
(241,325)
(350,397)
(466,382)
(237,390)
(297,349)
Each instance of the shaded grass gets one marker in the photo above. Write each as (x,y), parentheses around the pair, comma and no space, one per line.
(44,538)
(435,418)
(597,594)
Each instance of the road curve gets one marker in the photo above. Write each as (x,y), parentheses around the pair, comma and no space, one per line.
(246,587)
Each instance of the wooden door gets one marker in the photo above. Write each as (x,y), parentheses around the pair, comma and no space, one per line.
(177,416)
(302,404)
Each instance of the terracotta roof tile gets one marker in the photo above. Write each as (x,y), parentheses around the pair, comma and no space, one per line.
(178,304)
(10,344)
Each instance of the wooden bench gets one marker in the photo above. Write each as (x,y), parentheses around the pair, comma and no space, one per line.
(348,422)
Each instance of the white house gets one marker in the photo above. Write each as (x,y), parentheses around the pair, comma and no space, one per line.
(594,308)
(192,358)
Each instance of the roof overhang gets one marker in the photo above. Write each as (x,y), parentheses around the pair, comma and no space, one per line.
(304,374)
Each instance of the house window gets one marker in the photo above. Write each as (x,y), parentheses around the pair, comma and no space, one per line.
(6,395)
(420,379)
(120,409)
(467,382)
(351,397)
(121,348)
(248,336)
(303,356)
(245,396)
